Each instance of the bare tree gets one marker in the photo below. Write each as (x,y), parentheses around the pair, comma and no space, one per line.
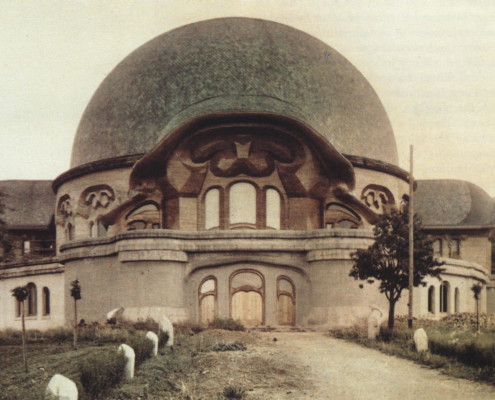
(21,293)
(75,292)
(476,292)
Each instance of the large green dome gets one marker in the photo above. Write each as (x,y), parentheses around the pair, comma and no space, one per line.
(231,65)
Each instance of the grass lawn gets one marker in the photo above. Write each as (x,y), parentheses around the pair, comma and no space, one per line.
(459,352)
(214,364)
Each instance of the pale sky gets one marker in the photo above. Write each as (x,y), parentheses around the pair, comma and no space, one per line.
(432,64)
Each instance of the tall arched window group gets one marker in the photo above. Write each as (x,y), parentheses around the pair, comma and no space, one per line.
(245,206)
(31,302)
(247,298)
(444,301)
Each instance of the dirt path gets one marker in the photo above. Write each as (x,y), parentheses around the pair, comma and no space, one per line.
(346,371)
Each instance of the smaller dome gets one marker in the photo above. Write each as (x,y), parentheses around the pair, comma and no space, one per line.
(452,202)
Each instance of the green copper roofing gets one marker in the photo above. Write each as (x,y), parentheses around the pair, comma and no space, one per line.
(232,64)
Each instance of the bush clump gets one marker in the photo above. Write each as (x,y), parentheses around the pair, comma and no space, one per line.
(234,346)
(162,338)
(234,392)
(142,347)
(228,324)
(101,372)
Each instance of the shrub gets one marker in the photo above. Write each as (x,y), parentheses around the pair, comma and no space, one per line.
(188,328)
(162,338)
(235,346)
(101,372)
(142,347)
(234,392)
(228,324)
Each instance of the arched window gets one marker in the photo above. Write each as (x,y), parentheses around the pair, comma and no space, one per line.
(207,300)
(286,301)
(102,229)
(242,204)
(431,299)
(146,216)
(339,216)
(457,300)
(212,209)
(32,299)
(46,301)
(444,297)
(17,308)
(69,232)
(92,229)
(273,208)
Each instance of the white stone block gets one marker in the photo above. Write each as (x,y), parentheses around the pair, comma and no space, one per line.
(61,388)
(154,338)
(131,359)
(375,320)
(164,325)
(115,314)
(420,340)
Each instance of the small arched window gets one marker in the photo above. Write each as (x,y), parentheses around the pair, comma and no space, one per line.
(273,208)
(92,229)
(457,300)
(286,301)
(32,308)
(102,229)
(242,204)
(431,299)
(444,297)
(145,216)
(437,247)
(69,232)
(212,209)
(207,300)
(339,216)
(455,248)
(46,301)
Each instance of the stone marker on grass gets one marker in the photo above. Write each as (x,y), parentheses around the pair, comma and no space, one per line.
(375,319)
(114,315)
(420,340)
(152,336)
(61,388)
(130,356)
(164,325)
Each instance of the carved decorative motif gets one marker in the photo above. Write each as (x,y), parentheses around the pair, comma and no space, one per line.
(100,196)
(378,198)
(95,198)
(64,209)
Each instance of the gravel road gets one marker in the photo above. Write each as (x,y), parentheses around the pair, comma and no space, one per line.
(346,371)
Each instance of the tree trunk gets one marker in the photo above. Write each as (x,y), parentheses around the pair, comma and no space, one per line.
(478,315)
(24,355)
(391,314)
(75,324)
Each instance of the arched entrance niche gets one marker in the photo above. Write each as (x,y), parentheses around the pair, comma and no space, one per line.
(207,300)
(286,301)
(247,297)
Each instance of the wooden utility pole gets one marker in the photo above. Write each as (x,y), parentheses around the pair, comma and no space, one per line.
(411,240)
(24,355)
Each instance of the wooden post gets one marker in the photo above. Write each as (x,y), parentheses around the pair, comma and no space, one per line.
(75,324)
(411,240)
(24,355)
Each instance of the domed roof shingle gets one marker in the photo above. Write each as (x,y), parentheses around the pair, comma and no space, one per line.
(450,202)
(232,65)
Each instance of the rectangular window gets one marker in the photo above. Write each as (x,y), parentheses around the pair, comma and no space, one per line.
(26,247)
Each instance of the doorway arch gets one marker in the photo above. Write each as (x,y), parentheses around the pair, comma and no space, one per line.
(247,297)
